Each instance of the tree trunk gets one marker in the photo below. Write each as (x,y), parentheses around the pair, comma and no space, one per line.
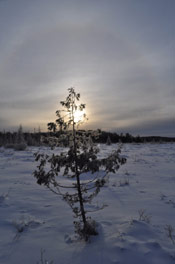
(83,215)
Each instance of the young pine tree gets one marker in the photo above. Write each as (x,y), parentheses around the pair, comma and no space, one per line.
(108,142)
(20,143)
(80,164)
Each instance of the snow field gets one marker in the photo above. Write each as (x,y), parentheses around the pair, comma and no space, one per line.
(134,227)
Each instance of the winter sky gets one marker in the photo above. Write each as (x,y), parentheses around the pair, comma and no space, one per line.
(119,54)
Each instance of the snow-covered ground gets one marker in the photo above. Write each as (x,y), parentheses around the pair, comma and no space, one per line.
(135,226)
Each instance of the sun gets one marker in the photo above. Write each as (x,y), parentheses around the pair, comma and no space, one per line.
(79,115)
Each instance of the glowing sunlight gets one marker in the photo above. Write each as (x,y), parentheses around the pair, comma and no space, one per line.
(79,115)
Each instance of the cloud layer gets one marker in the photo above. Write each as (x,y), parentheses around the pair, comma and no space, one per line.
(118,55)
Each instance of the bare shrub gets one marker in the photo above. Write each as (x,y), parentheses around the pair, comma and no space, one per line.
(42,258)
(143,216)
(170,232)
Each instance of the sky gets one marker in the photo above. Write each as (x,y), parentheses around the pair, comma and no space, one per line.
(119,55)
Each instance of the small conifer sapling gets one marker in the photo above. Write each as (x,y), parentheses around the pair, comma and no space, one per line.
(85,171)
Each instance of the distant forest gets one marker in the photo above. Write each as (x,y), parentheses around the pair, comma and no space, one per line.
(9,139)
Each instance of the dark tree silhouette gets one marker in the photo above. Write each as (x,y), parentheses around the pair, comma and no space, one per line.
(80,164)
(52,126)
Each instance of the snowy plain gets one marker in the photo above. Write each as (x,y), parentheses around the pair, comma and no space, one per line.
(136,226)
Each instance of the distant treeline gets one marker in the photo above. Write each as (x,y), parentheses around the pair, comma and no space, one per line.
(8,139)
(128,138)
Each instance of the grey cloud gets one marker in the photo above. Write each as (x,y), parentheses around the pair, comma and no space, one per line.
(37,103)
(163,127)
(101,49)
(3,124)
